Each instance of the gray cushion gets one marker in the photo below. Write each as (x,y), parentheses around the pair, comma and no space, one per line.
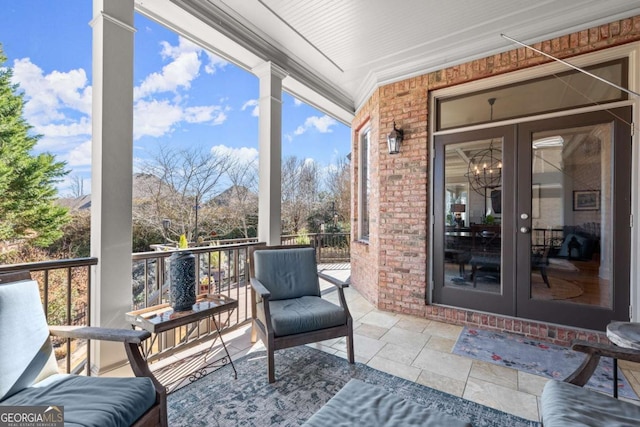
(25,348)
(305,314)
(362,404)
(565,404)
(91,401)
(287,273)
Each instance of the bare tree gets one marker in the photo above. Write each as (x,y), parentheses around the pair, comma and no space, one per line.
(300,189)
(77,186)
(178,185)
(239,206)
(338,185)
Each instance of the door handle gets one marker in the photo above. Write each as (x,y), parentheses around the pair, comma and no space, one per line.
(524,230)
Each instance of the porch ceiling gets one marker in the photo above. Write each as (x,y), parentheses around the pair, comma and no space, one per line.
(338,52)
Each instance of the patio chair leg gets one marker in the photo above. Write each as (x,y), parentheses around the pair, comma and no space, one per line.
(350,348)
(270,366)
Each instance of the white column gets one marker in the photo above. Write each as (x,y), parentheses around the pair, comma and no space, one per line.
(270,152)
(111,173)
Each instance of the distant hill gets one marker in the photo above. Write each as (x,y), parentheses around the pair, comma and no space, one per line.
(75,204)
(146,184)
(224,198)
(142,184)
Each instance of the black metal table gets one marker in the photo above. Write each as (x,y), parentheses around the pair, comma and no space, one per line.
(161,318)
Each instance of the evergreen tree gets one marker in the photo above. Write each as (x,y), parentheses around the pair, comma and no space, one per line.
(27,181)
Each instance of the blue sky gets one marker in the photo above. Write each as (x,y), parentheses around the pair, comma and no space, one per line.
(183,97)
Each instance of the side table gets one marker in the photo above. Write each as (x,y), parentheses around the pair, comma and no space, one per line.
(622,334)
(160,318)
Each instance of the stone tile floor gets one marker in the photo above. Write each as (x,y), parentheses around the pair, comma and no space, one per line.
(419,350)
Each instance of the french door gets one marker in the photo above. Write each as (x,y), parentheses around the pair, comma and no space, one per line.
(532,220)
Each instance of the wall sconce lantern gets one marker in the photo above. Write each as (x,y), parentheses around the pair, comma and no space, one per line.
(394,139)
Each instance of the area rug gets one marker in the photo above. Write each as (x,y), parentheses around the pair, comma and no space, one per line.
(560,289)
(305,380)
(536,357)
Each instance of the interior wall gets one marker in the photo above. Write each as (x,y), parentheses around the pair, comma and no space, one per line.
(392,269)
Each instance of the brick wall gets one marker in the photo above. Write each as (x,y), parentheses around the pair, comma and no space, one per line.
(391,270)
(365,256)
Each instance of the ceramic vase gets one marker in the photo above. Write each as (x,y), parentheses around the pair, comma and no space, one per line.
(182,276)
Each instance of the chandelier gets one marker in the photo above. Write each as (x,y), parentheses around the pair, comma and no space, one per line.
(485,170)
(485,166)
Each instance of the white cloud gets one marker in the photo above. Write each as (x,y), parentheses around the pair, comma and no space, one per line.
(297,102)
(155,118)
(219,119)
(215,62)
(244,155)
(72,90)
(321,124)
(183,68)
(177,74)
(158,118)
(53,130)
(252,103)
(184,46)
(80,155)
(59,103)
(53,96)
(208,113)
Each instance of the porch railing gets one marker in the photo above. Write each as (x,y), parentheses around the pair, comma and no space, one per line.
(330,247)
(220,269)
(65,289)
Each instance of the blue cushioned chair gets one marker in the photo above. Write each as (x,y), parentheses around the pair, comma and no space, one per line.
(287,307)
(29,371)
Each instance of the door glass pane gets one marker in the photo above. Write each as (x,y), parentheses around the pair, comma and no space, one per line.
(571,215)
(473,201)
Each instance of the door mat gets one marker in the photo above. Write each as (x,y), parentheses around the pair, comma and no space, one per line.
(537,357)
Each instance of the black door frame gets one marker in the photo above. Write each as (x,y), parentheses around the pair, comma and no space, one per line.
(567,313)
(503,302)
(514,299)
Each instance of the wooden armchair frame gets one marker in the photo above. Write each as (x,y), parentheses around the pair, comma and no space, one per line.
(157,414)
(261,295)
(567,403)
(594,351)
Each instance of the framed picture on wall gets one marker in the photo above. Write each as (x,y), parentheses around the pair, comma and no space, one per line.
(588,200)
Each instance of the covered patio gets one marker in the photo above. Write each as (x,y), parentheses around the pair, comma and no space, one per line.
(376,78)
(416,349)
(368,64)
